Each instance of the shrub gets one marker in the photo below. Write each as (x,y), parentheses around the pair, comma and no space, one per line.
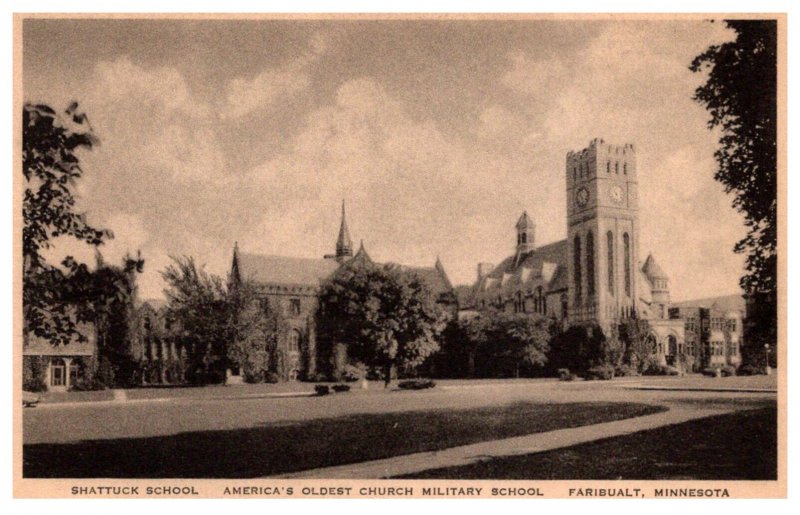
(33,372)
(748,370)
(661,370)
(322,389)
(416,384)
(728,370)
(104,375)
(603,372)
(565,375)
(352,373)
(710,371)
(626,371)
(340,388)
(272,377)
(319,377)
(86,385)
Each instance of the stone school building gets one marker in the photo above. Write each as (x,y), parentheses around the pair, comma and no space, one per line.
(291,285)
(596,275)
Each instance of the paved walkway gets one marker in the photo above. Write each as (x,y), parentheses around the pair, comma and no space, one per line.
(528,444)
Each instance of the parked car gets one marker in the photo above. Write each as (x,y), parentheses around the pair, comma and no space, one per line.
(30,399)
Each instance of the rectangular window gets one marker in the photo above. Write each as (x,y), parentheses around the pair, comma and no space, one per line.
(294,306)
(57,378)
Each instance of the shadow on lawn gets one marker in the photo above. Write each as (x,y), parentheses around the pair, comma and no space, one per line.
(293,446)
(736,446)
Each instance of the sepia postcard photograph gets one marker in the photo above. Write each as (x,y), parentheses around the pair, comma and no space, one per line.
(384,256)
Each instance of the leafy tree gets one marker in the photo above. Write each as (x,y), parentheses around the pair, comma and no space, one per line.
(520,339)
(50,166)
(578,348)
(255,332)
(741,96)
(635,336)
(476,332)
(200,308)
(106,296)
(387,316)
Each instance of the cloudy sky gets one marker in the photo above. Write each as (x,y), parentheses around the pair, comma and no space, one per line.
(437,133)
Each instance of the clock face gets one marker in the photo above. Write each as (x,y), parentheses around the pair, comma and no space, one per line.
(582,197)
(616,194)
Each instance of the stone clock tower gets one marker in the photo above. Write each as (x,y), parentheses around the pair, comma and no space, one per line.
(602,233)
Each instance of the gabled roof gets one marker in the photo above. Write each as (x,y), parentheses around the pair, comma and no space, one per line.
(360,259)
(434,277)
(267,269)
(652,270)
(548,262)
(734,302)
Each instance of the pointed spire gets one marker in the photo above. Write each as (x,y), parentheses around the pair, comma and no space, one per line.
(235,275)
(344,246)
(524,221)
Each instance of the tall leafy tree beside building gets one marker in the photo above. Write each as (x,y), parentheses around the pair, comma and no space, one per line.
(200,311)
(51,168)
(740,94)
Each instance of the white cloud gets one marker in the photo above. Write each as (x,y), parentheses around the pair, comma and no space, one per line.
(267,88)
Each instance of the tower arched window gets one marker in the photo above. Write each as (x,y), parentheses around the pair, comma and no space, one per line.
(577,267)
(610,246)
(626,243)
(608,166)
(590,264)
(616,168)
(625,169)
(523,238)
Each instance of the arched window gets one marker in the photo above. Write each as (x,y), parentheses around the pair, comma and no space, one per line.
(610,245)
(575,173)
(625,169)
(577,267)
(294,340)
(608,167)
(616,168)
(523,238)
(626,242)
(540,301)
(590,264)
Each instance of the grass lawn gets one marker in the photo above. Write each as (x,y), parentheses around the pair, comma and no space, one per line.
(292,446)
(741,445)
